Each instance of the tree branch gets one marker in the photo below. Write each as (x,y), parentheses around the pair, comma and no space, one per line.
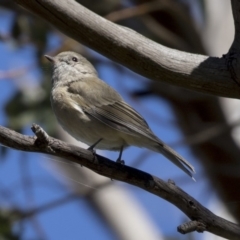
(200,73)
(202,218)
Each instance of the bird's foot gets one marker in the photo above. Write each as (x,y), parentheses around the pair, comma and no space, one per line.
(91,148)
(120,161)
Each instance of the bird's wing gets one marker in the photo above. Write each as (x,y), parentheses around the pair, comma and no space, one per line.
(121,116)
(100,101)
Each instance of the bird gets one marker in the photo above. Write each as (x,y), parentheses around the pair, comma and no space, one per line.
(94,113)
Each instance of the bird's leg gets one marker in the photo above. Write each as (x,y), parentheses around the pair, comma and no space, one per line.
(91,148)
(119,159)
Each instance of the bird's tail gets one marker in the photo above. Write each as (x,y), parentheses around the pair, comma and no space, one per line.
(175,158)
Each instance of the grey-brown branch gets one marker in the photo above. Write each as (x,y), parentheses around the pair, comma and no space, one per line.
(211,75)
(201,218)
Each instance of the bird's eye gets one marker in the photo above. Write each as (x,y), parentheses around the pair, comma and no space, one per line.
(74,59)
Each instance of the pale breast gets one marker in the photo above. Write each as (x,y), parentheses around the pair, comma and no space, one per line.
(81,126)
(67,112)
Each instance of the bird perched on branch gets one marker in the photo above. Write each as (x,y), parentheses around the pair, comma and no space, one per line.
(94,113)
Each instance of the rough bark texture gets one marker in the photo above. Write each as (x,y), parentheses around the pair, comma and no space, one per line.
(192,71)
(204,220)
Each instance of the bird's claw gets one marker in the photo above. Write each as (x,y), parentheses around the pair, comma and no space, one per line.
(120,161)
(92,150)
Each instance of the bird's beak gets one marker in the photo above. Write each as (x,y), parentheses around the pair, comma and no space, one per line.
(49,58)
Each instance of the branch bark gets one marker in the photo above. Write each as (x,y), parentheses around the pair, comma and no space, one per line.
(202,218)
(200,73)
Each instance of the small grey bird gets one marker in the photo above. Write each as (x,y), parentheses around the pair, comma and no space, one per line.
(94,113)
